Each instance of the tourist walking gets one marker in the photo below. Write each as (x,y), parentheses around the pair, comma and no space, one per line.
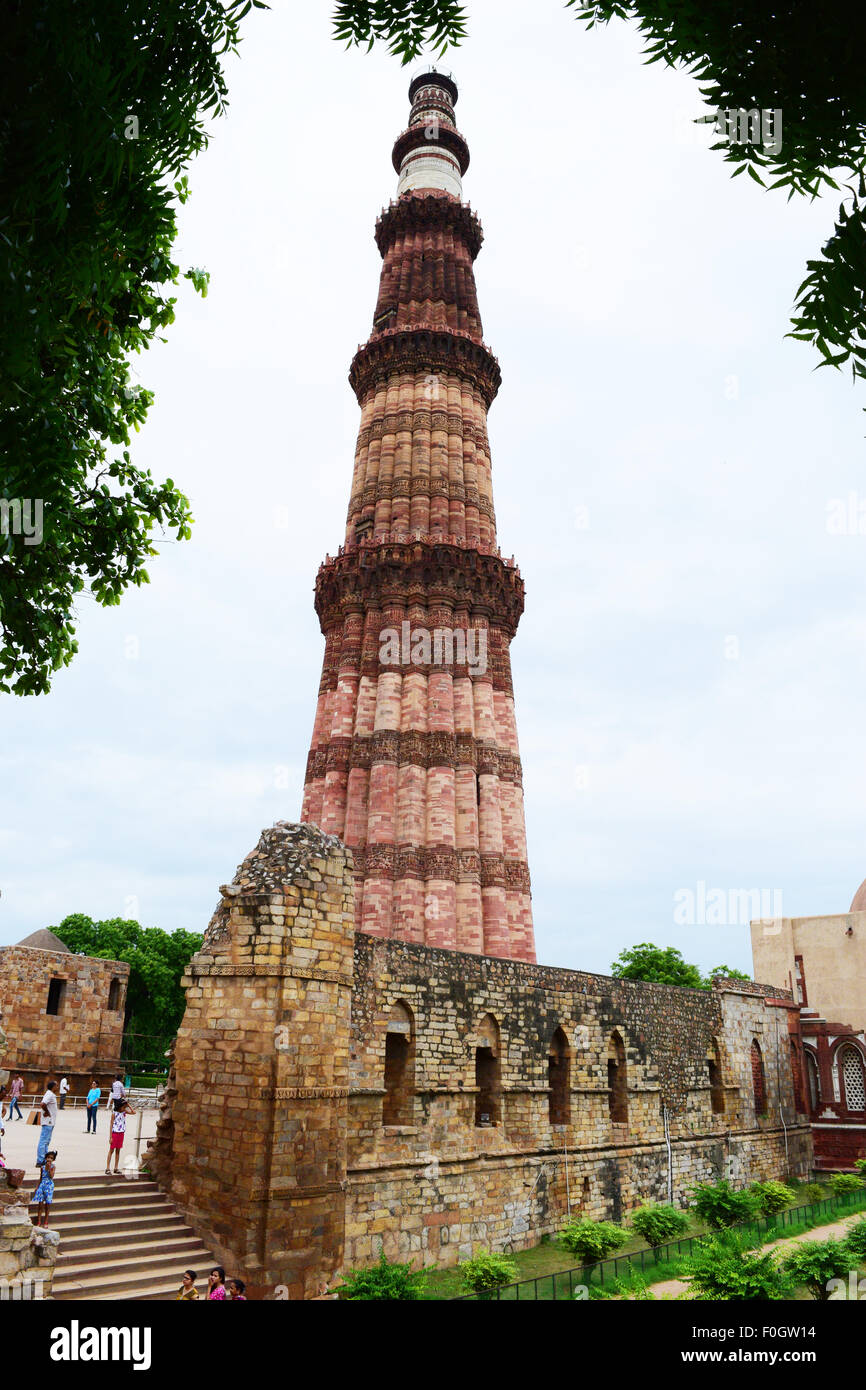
(14,1097)
(94,1095)
(49,1120)
(44,1194)
(118,1134)
(2,1102)
(64,1091)
(216,1284)
(117,1092)
(187,1290)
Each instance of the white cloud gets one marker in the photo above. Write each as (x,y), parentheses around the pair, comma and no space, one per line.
(637,301)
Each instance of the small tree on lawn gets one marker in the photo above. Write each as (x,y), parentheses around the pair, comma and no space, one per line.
(856,1240)
(382,1281)
(815,1262)
(771,1197)
(720,1205)
(843,1184)
(659,1224)
(726,1267)
(592,1240)
(486,1272)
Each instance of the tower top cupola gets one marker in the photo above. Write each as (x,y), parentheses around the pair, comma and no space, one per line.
(431,153)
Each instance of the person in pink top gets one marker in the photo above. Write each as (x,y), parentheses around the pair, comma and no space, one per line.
(14,1097)
(216,1283)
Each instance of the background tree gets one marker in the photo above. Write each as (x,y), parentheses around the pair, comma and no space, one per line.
(727,972)
(101,108)
(796,57)
(157,959)
(662,965)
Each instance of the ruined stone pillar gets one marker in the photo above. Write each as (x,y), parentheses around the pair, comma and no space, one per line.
(252,1145)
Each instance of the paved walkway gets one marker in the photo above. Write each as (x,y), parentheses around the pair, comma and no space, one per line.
(78,1154)
(675,1288)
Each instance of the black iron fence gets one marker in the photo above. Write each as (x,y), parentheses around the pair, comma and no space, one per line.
(145,1053)
(562,1284)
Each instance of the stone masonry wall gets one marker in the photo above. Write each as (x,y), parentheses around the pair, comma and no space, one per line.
(273,1141)
(434,1188)
(252,1140)
(28,1254)
(83,1039)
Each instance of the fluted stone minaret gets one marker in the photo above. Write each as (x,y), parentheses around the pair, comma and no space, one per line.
(414,760)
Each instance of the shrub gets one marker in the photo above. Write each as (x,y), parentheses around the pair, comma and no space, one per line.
(771,1197)
(726,1267)
(811,1192)
(382,1280)
(815,1262)
(860,1165)
(856,1239)
(486,1271)
(592,1240)
(845,1183)
(720,1205)
(659,1224)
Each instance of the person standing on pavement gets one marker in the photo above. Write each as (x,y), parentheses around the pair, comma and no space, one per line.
(122,1108)
(94,1096)
(117,1092)
(14,1097)
(64,1091)
(49,1120)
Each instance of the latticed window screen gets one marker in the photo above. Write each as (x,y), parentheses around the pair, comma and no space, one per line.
(814,1087)
(852,1075)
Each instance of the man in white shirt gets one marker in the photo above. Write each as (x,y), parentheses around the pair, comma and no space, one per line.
(117,1091)
(49,1120)
(64,1087)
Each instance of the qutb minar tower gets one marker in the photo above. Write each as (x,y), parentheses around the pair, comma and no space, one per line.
(414,760)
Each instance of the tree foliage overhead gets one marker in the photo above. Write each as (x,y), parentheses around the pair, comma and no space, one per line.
(407,26)
(664,965)
(157,959)
(797,57)
(101,108)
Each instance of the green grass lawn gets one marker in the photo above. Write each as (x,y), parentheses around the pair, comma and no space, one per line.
(542,1261)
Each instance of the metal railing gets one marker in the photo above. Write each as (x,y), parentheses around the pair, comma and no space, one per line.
(562,1283)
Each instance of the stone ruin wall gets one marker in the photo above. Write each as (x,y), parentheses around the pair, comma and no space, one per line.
(251,1143)
(272,1138)
(81,1041)
(435,1188)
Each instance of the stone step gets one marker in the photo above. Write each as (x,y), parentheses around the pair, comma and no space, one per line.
(138,1273)
(130,1229)
(93,1186)
(160,1291)
(179,1244)
(128,1197)
(121,1238)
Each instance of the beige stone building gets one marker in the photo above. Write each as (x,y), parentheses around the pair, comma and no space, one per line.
(62,1013)
(821,959)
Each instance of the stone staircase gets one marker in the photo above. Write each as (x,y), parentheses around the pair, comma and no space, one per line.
(122,1239)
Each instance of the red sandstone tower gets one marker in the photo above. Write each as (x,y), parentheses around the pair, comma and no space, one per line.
(414,760)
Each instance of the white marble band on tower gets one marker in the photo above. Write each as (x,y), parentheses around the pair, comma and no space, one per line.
(432,152)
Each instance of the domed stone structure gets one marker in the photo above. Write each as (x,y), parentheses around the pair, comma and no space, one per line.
(858,902)
(44,940)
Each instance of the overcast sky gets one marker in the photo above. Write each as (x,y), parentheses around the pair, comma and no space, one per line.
(689,671)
